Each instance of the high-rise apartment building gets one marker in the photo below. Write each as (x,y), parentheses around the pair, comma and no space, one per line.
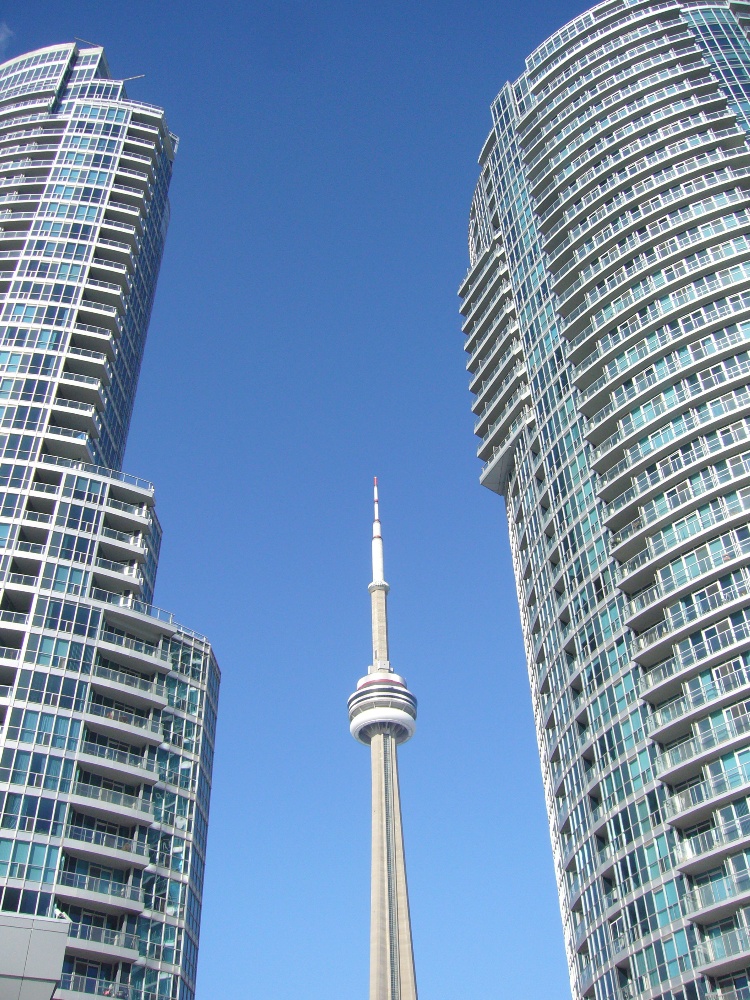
(607,317)
(107,704)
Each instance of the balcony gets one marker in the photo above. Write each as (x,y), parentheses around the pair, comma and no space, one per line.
(82,361)
(117,764)
(85,388)
(676,763)
(727,636)
(124,577)
(115,721)
(135,653)
(69,443)
(83,988)
(714,598)
(108,895)
(725,952)
(700,799)
(720,896)
(705,848)
(101,942)
(76,415)
(92,844)
(138,689)
(677,712)
(108,802)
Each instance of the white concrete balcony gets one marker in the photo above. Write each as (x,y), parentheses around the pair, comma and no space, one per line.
(69,443)
(496,468)
(117,576)
(84,388)
(83,361)
(136,654)
(705,850)
(101,943)
(727,952)
(76,415)
(698,801)
(702,655)
(130,545)
(111,721)
(138,690)
(705,564)
(110,804)
(120,765)
(680,761)
(99,314)
(83,988)
(104,894)
(664,723)
(124,852)
(95,338)
(708,605)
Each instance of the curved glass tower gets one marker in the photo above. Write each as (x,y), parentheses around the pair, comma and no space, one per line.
(607,322)
(107,704)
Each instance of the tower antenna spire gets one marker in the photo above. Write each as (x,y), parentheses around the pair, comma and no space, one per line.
(378,592)
(377,538)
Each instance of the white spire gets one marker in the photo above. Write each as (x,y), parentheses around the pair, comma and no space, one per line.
(378,594)
(377,541)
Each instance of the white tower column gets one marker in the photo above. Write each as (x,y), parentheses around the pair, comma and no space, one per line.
(382,713)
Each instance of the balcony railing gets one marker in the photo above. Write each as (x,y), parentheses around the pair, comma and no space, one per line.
(710,840)
(127,718)
(105,988)
(103,935)
(104,886)
(120,756)
(717,891)
(724,637)
(118,677)
(112,796)
(101,839)
(699,744)
(706,790)
(725,945)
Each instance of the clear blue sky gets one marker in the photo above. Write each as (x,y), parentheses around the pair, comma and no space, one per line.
(305,337)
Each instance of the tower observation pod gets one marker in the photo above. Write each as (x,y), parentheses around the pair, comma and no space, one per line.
(382,714)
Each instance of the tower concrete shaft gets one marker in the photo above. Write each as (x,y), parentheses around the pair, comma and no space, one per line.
(392,975)
(382,713)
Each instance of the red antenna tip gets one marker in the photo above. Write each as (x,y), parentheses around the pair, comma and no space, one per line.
(375,480)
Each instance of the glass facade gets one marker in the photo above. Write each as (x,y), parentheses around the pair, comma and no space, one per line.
(607,321)
(107,704)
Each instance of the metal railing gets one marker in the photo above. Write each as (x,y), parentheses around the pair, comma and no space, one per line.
(104,886)
(103,935)
(102,839)
(112,796)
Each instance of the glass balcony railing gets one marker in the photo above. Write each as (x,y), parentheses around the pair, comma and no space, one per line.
(119,756)
(702,896)
(112,796)
(728,730)
(103,935)
(725,945)
(102,839)
(704,791)
(130,680)
(121,716)
(712,839)
(106,887)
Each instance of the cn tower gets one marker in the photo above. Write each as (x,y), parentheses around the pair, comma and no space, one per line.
(382,714)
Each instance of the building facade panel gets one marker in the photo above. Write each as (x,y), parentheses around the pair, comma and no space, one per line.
(107,704)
